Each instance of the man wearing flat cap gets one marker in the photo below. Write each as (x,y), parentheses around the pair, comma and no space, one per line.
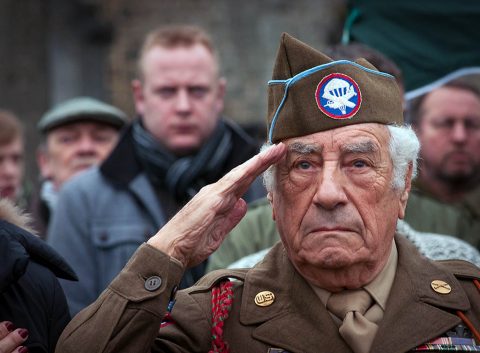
(338,174)
(76,134)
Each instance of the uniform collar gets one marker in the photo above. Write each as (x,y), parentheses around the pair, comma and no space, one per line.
(380,287)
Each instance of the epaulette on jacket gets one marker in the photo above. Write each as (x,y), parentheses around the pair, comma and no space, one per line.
(460,269)
(207,282)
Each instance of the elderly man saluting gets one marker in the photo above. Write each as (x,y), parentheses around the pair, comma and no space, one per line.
(338,177)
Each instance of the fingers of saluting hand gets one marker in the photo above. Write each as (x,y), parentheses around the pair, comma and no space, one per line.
(239,179)
(11,339)
(220,198)
(199,228)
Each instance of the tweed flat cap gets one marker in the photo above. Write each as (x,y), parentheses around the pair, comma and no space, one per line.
(309,92)
(81,108)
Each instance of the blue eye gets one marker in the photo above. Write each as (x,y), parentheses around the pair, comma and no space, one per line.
(304,165)
(166,92)
(198,91)
(359,164)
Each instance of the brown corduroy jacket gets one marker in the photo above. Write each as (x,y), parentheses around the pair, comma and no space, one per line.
(127,317)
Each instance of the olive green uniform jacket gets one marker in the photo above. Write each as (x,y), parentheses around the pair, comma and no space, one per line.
(127,317)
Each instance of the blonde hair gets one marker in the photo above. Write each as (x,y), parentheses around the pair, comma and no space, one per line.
(175,36)
(10,127)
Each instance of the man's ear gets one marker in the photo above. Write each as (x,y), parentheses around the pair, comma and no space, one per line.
(221,91)
(43,163)
(138,96)
(270,199)
(404,195)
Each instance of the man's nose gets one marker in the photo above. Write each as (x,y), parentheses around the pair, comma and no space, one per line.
(86,145)
(459,132)
(9,168)
(182,103)
(330,191)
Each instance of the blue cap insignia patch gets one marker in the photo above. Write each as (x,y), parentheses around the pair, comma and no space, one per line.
(338,96)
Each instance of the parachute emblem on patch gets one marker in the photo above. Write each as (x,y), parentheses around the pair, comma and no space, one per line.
(338,96)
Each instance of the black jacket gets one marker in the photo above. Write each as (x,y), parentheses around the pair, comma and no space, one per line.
(30,295)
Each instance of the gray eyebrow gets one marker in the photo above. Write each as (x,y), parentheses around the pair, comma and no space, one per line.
(303,148)
(361,147)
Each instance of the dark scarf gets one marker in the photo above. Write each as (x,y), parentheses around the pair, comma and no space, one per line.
(184,176)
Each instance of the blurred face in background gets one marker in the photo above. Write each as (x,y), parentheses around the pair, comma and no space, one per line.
(11,168)
(180,96)
(74,147)
(449,133)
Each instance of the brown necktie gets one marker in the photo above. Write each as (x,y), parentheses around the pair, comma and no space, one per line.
(356,330)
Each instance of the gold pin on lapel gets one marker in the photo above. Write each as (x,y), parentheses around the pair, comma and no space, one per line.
(441,286)
(264,298)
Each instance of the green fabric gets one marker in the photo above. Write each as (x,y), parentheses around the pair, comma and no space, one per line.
(472,203)
(426,39)
(255,232)
(427,215)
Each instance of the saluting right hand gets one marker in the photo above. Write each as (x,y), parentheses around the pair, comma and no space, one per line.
(199,228)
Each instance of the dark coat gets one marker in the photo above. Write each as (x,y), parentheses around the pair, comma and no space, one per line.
(30,294)
(40,212)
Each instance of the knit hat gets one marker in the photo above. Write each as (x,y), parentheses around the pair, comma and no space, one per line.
(81,109)
(309,93)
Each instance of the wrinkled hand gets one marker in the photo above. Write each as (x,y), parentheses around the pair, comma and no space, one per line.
(11,340)
(199,228)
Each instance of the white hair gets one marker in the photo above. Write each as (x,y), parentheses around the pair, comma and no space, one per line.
(403,148)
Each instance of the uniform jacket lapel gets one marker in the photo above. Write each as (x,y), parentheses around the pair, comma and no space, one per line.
(415,312)
(298,322)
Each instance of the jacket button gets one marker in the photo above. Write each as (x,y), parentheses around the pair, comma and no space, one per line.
(153,283)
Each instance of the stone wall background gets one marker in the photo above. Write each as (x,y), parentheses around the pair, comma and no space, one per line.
(52,50)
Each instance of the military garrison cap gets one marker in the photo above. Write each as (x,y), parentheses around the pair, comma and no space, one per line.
(81,108)
(309,93)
